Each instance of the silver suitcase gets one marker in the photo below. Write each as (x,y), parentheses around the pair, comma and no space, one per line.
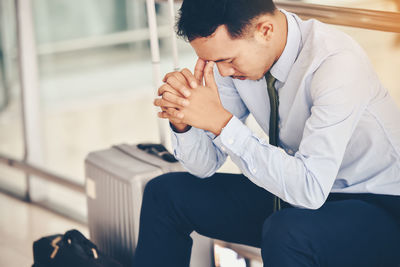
(115,180)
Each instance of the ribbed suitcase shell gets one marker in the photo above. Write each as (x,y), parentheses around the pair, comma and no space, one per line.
(115,180)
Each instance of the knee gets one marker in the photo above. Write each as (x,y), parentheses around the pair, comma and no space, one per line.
(277,230)
(163,188)
(284,238)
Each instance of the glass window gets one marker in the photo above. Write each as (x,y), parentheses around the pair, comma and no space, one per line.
(11,130)
(96,83)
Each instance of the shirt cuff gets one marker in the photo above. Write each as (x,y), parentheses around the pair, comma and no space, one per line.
(233,137)
(185,139)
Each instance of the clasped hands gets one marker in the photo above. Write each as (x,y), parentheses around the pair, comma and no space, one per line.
(186,101)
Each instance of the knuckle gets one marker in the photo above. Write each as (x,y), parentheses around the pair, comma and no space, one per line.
(171,73)
(171,79)
(180,76)
(168,96)
(167,88)
(177,74)
(169,111)
(161,90)
(173,98)
(165,95)
(167,76)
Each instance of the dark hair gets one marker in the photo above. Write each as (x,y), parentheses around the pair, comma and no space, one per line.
(200,18)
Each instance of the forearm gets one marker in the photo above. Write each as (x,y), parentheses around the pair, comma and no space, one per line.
(289,177)
(197,153)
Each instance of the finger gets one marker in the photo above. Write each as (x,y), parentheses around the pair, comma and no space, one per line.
(189,77)
(162,115)
(176,84)
(165,109)
(179,76)
(171,118)
(175,114)
(199,70)
(159,102)
(175,99)
(209,75)
(167,88)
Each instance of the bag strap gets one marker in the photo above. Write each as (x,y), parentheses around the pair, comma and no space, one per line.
(75,237)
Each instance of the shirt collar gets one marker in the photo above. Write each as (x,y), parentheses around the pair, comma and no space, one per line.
(280,70)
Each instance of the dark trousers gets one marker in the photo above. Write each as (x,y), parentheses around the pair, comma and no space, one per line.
(348,230)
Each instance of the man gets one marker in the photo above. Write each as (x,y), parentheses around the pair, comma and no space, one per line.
(334,157)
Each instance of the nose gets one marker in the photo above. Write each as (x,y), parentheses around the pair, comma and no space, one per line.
(225,69)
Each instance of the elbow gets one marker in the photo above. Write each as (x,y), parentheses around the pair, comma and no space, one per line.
(200,173)
(314,200)
(203,176)
(310,205)
(200,170)
(315,205)
(315,191)
(310,198)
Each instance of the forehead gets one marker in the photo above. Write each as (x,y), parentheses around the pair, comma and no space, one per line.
(217,46)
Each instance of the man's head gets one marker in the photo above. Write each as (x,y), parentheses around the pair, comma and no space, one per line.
(243,37)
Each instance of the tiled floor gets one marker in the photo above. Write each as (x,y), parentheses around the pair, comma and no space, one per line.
(21,224)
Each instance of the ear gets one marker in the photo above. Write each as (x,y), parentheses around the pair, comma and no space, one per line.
(264,29)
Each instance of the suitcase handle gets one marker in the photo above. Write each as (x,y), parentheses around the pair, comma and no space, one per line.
(157,150)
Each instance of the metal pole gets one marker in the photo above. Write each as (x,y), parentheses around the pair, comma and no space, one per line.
(155,55)
(44,174)
(173,34)
(29,93)
(6,24)
(90,42)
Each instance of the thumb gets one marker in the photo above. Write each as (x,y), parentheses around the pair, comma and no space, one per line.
(199,71)
(209,75)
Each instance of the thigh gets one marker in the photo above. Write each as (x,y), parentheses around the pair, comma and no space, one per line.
(224,206)
(340,233)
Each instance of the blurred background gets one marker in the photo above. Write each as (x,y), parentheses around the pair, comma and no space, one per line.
(91,73)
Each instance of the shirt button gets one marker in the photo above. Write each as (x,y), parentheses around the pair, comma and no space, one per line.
(254,170)
(290,151)
(223,148)
(230,141)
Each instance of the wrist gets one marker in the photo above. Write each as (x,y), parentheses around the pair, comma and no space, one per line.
(180,128)
(221,122)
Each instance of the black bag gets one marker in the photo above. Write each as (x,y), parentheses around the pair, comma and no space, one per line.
(69,250)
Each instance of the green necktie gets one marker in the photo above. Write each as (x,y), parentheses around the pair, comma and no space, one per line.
(273,121)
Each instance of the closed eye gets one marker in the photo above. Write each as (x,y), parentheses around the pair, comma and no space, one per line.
(224,60)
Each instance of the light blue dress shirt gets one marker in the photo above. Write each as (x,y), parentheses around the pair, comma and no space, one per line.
(339,127)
